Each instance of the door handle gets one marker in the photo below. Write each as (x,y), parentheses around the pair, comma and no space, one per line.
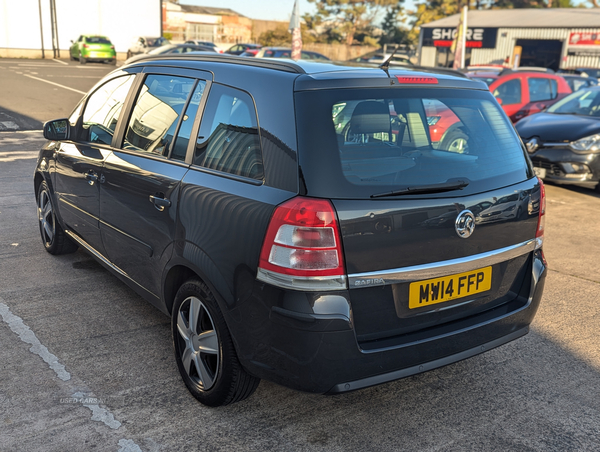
(159,202)
(91,177)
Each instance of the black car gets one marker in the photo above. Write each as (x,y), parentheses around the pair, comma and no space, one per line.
(564,141)
(289,239)
(171,49)
(577,82)
(238,49)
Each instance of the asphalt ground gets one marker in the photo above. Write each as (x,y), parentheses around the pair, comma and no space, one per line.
(87,365)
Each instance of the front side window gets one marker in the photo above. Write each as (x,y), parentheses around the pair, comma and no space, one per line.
(228,140)
(102,110)
(509,92)
(156,113)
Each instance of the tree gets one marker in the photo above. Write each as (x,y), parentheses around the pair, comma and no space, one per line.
(392,33)
(347,16)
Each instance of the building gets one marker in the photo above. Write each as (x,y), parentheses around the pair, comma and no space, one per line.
(204,23)
(30,28)
(551,37)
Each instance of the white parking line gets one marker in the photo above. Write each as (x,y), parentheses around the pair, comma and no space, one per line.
(56,84)
(58,61)
(15,323)
(17,326)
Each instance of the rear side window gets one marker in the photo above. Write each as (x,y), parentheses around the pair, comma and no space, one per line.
(156,113)
(366,142)
(228,140)
(509,92)
(542,89)
(102,110)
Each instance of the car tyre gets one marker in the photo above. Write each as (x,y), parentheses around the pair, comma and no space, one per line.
(71,57)
(82,60)
(53,237)
(204,350)
(113,61)
(455,141)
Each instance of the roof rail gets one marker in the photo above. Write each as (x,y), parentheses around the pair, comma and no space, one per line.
(275,64)
(433,70)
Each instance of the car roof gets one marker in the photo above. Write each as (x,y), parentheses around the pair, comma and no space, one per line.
(320,75)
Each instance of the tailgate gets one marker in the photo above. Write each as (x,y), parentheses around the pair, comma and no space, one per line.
(400,256)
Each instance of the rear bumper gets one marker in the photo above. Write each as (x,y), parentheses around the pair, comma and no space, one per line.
(307,341)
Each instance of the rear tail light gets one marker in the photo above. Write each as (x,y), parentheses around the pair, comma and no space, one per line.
(302,248)
(85,46)
(112,47)
(539,235)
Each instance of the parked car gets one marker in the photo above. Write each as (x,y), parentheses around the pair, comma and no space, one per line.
(295,251)
(93,48)
(378,57)
(577,82)
(204,44)
(249,49)
(283,52)
(171,49)
(487,77)
(144,44)
(524,93)
(564,141)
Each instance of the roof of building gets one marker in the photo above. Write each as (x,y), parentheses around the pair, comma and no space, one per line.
(210,10)
(526,18)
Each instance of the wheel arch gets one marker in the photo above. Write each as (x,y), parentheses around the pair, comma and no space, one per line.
(179,270)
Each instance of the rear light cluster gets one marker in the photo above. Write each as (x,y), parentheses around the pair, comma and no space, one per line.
(302,248)
(539,234)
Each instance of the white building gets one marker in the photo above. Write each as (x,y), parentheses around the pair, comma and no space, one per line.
(26,25)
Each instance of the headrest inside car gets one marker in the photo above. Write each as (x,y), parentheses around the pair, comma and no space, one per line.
(370,117)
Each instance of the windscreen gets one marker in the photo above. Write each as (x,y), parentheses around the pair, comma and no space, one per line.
(360,143)
(583,102)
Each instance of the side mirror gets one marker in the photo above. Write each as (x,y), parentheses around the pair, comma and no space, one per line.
(499,100)
(56,130)
(71,41)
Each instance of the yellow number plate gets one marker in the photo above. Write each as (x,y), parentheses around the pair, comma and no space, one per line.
(439,290)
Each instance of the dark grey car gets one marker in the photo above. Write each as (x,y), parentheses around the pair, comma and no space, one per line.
(296,221)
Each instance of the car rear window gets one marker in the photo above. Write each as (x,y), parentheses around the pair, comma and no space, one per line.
(97,40)
(357,143)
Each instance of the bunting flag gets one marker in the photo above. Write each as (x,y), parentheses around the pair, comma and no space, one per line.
(296,33)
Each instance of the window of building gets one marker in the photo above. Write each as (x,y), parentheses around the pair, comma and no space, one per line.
(102,110)
(228,140)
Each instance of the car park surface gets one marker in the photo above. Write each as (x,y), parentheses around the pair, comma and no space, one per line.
(116,138)
(524,93)
(535,393)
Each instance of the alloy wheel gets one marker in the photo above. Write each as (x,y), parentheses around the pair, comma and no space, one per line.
(199,343)
(46,218)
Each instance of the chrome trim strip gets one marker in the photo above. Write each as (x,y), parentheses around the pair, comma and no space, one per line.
(554,145)
(438,269)
(305,283)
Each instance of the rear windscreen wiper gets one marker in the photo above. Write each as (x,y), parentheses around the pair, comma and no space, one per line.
(449,185)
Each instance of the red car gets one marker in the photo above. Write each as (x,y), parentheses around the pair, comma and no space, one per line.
(525,93)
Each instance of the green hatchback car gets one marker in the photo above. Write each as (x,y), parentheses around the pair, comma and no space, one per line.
(93,48)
